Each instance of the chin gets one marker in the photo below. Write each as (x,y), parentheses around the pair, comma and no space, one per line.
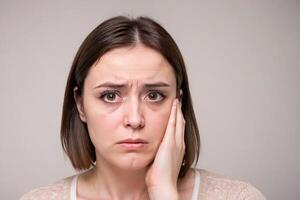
(133,162)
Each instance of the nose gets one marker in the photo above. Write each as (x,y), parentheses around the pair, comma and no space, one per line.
(133,116)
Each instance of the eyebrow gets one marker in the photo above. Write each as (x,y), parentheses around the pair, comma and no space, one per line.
(119,86)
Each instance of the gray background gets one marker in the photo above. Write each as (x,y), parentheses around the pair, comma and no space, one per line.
(242,59)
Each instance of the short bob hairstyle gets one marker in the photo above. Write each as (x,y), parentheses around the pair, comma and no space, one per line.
(122,31)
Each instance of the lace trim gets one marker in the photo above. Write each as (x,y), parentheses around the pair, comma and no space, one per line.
(195,194)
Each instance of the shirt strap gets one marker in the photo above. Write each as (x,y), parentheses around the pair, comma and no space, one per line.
(73,188)
(196,185)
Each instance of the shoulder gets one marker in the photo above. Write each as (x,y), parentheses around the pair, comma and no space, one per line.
(216,186)
(57,190)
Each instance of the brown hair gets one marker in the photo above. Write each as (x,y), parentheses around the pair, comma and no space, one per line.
(113,33)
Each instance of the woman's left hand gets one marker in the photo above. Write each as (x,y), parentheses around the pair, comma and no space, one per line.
(162,176)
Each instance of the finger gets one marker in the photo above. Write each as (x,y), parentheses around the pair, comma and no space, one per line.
(169,134)
(179,135)
(183,128)
(183,122)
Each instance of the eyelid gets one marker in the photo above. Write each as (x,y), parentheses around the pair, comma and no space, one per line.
(108,91)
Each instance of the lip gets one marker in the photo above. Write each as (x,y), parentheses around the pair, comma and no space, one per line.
(133,144)
(133,141)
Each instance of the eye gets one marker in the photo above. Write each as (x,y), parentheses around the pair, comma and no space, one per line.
(156,96)
(110,96)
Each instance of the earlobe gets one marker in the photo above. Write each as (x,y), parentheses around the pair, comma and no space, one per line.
(79,104)
(180,95)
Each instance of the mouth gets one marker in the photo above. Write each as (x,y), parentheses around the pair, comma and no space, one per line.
(129,140)
(133,143)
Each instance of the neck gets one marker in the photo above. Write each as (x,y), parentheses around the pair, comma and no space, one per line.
(114,183)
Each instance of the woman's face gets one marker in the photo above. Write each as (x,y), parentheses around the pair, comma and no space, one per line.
(128,94)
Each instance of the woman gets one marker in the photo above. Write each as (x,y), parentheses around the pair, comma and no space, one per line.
(128,121)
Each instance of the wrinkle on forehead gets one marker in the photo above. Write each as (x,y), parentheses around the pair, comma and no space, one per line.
(132,66)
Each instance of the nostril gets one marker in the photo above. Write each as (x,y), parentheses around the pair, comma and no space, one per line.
(134,122)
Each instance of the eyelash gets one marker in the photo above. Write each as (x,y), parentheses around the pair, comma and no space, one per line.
(116,92)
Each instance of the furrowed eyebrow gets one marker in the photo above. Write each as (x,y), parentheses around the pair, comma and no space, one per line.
(119,86)
(158,84)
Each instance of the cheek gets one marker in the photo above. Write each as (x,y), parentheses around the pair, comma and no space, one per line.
(102,123)
(158,121)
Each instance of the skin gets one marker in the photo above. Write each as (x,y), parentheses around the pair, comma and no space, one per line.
(133,111)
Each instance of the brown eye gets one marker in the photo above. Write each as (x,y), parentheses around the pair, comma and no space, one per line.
(156,96)
(109,96)
(153,95)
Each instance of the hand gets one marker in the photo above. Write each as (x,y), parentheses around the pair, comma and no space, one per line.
(162,176)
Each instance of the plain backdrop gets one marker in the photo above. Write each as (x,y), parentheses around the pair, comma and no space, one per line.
(243,63)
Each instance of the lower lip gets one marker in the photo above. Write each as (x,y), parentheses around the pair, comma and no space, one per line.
(132,145)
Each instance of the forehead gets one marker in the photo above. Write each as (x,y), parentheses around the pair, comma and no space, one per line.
(126,64)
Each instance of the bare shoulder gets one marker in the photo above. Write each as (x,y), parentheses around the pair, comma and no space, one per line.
(57,190)
(216,186)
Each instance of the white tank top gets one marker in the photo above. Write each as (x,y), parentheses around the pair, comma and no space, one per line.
(194,194)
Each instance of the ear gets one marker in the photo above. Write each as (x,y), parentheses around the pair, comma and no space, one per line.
(79,104)
(180,95)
